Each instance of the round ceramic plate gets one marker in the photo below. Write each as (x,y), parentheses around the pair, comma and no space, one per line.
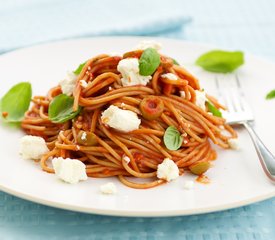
(236,177)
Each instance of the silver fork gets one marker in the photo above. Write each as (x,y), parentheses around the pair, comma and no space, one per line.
(239,113)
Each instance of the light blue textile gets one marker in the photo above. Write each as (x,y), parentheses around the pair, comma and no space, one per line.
(239,24)
(28,22)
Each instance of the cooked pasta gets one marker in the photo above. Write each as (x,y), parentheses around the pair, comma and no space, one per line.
(137,153)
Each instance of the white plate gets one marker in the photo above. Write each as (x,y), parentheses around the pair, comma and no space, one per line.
(236,179)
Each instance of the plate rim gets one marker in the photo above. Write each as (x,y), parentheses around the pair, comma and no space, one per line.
(128,213)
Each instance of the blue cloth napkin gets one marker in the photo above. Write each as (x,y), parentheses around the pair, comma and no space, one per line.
(28,22)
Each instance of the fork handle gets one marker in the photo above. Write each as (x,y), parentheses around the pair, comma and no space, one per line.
(266,157)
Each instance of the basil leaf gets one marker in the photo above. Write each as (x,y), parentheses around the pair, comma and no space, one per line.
(216,112)
(270,95)
(221,61)
(148,62)
(172,138)
(79,68)
(61,109)
(16,102)
(175,62)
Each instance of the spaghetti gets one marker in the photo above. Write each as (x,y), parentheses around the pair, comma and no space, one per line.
(144,146)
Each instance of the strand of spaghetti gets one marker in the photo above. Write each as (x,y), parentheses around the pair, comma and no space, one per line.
(191,156)
(108,174)
(29,126)
(91,101)
(88,64)
(53,92)
(102,162)
(99,79)
(137,139)
(99,86)
(138,174)
(108,148)
(181,71)
(148,131)
(44,158)
(141,146)
(120,145)
(196,158)
(94,120)
(126,182)
(154,143)
(155,79)
(185,126)
(194,109)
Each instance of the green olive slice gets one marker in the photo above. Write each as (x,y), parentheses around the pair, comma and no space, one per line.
(86,138)
(151,107)
(199,168)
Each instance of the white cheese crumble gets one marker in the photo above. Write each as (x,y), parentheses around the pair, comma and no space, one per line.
(83,83)
(129,69)
(67,85)
(170,76)
(83,136)
(200,99)
(126,159)
(69,170)
(168,170)
(188,185)
(233,143)
(122,120)
(108,188)
(182,94)
(149,44)
(32,147)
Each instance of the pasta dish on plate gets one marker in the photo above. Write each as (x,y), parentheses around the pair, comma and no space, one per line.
(136,116)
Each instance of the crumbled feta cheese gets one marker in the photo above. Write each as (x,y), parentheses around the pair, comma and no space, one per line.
(126,159)
(188,185)
(67,85)
(32,147)
(122,104)
(233,143)
(129,69)
(182,94)
(200,99)
(170,76)
(69,170)
(83,136)
(83,83)
(168,170)
(108,188)
(149,44)
(122,120)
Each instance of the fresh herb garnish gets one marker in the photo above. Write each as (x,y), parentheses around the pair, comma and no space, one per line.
(61,109)
(172,138)
(79,69)
(270,95)
(16,102)
(216,112)
(148,62)
(175,62)
(221,61)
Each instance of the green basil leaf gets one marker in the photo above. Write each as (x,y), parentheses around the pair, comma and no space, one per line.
(61,109)
(270,95)
(79,69)
(216,112)
(175,62)
(221,61)
(172,138)
(148,62)
(16,102)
